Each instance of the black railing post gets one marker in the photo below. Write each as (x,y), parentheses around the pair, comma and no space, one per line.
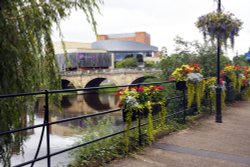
(184,106)
(139,115)
(46,121)
(139,128)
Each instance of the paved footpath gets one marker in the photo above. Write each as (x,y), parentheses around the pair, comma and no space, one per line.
(207,144)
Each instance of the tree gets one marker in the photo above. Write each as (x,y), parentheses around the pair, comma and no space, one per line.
(183,55)
(190,53)
(127,63)
(150,63)
(27,58)
(207,57)
(27,55)
(240,60)
(163,52)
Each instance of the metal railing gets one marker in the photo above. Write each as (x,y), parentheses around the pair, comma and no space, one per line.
(46,124)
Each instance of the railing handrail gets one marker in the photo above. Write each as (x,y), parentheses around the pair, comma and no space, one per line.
(46,123)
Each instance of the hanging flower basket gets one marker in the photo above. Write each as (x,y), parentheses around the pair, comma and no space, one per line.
(156,108)
(181,75)
(135,99)
(225,25)
(189,77)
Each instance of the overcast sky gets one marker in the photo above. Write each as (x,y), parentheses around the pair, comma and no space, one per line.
(162,19)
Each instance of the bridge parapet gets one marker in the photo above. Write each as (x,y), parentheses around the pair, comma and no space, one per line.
(93,78)
(110,71)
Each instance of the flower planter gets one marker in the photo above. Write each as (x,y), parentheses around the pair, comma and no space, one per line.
(181,85)
(228,80)
(155,110)
(243,87)
(219,23)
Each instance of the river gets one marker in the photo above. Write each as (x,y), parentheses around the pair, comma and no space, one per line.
(65,134)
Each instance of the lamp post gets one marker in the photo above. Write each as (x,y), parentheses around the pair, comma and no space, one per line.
(218,117)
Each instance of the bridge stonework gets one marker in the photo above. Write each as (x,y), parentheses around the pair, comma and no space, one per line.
(81,79)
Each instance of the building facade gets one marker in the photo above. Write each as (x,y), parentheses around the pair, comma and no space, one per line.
(81,56)
(128,45)
(141,37)
(106,51)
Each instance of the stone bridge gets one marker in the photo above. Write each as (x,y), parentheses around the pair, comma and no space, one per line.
(93,78)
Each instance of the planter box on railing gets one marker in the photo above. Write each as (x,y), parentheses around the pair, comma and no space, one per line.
(156,109)
(181,85)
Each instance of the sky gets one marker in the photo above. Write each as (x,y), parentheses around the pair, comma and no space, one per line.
(162,19)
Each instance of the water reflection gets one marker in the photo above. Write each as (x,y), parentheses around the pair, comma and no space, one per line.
(64,134)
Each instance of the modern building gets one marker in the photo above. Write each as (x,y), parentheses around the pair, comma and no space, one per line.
(141,37)
(128,45)
(81,56)
(106,51)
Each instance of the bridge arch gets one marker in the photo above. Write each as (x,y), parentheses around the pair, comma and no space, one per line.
(83,79)
(97,81)
(66,84)
(141,79)
(97,104)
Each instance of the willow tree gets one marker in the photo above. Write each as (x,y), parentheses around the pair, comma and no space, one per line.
(27,58)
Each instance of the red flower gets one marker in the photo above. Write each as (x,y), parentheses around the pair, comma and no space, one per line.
(120,91)
(117,94)
(158,87)
(140,89)
(237,67)
(196,66)
(188,70)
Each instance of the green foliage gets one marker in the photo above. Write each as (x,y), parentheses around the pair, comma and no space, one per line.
(240,60)
(27,55)
(127,63)
(13,117)
(28,61)
(170,63)
(107,90)
(163,52)
(207,58)
(128,126)
(150,123)
(99,152)
(193,53)
(163,115)
(150,63)
(182,55)
(190,93)
(200,88)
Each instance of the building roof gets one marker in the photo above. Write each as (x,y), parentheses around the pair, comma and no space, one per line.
(120,45)
(73,47)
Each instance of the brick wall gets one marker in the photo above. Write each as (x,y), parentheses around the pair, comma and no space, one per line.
(141,37)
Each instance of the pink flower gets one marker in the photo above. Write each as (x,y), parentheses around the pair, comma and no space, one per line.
(221,81)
